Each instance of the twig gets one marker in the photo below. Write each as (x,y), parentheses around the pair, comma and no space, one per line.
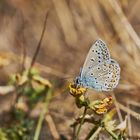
(125,22)
(82,121)
(117,108)
(23,58)
(134,103)
(129,122)
(128,110)
(93,133)
(112,133)
(88,119)
(39,43)
(6,89)
(42,115)
(52,127)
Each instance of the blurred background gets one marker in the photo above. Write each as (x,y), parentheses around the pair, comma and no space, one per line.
(72,27)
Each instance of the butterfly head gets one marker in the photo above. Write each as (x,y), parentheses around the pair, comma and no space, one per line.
(77,81)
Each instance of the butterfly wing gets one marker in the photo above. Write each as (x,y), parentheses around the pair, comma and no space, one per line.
(98,53)
(104,76)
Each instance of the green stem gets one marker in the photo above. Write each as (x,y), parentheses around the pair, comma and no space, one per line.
(82,121)
(42,115)
(112,134)
(93,133)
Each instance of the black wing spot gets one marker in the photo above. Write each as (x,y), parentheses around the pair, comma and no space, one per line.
(91,74)
(92,59)
(92,50)
(96,51)
(99,61)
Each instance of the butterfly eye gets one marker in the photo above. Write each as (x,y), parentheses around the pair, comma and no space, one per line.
(77,81)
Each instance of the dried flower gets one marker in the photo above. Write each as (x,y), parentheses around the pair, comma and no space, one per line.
(76,91)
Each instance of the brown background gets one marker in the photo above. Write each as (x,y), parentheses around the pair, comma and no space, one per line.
(72,27)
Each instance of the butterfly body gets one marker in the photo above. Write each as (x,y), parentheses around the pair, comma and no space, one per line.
(99,70)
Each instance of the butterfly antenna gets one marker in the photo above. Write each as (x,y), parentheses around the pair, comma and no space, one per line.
(66,78)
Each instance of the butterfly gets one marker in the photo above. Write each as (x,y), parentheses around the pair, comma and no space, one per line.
(99,72)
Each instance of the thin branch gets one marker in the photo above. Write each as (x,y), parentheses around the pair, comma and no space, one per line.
(42,115)
(128,110)
(40,41)
(125,22)
(81,123)
(94,133)
(117,108)
(6,89)
(129,122)
(115,137)
(52,127)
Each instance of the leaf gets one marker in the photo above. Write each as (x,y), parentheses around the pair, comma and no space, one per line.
(123,125)
(41,80)
(3,135)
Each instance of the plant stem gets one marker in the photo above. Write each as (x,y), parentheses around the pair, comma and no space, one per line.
(82,121)
(42,115)
(39,43)
(118,109)
(93,133)
(112,134)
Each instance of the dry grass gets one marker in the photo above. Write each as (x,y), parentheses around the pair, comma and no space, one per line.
(72,27)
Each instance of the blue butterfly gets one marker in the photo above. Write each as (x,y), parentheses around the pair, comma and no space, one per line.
(99,71)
